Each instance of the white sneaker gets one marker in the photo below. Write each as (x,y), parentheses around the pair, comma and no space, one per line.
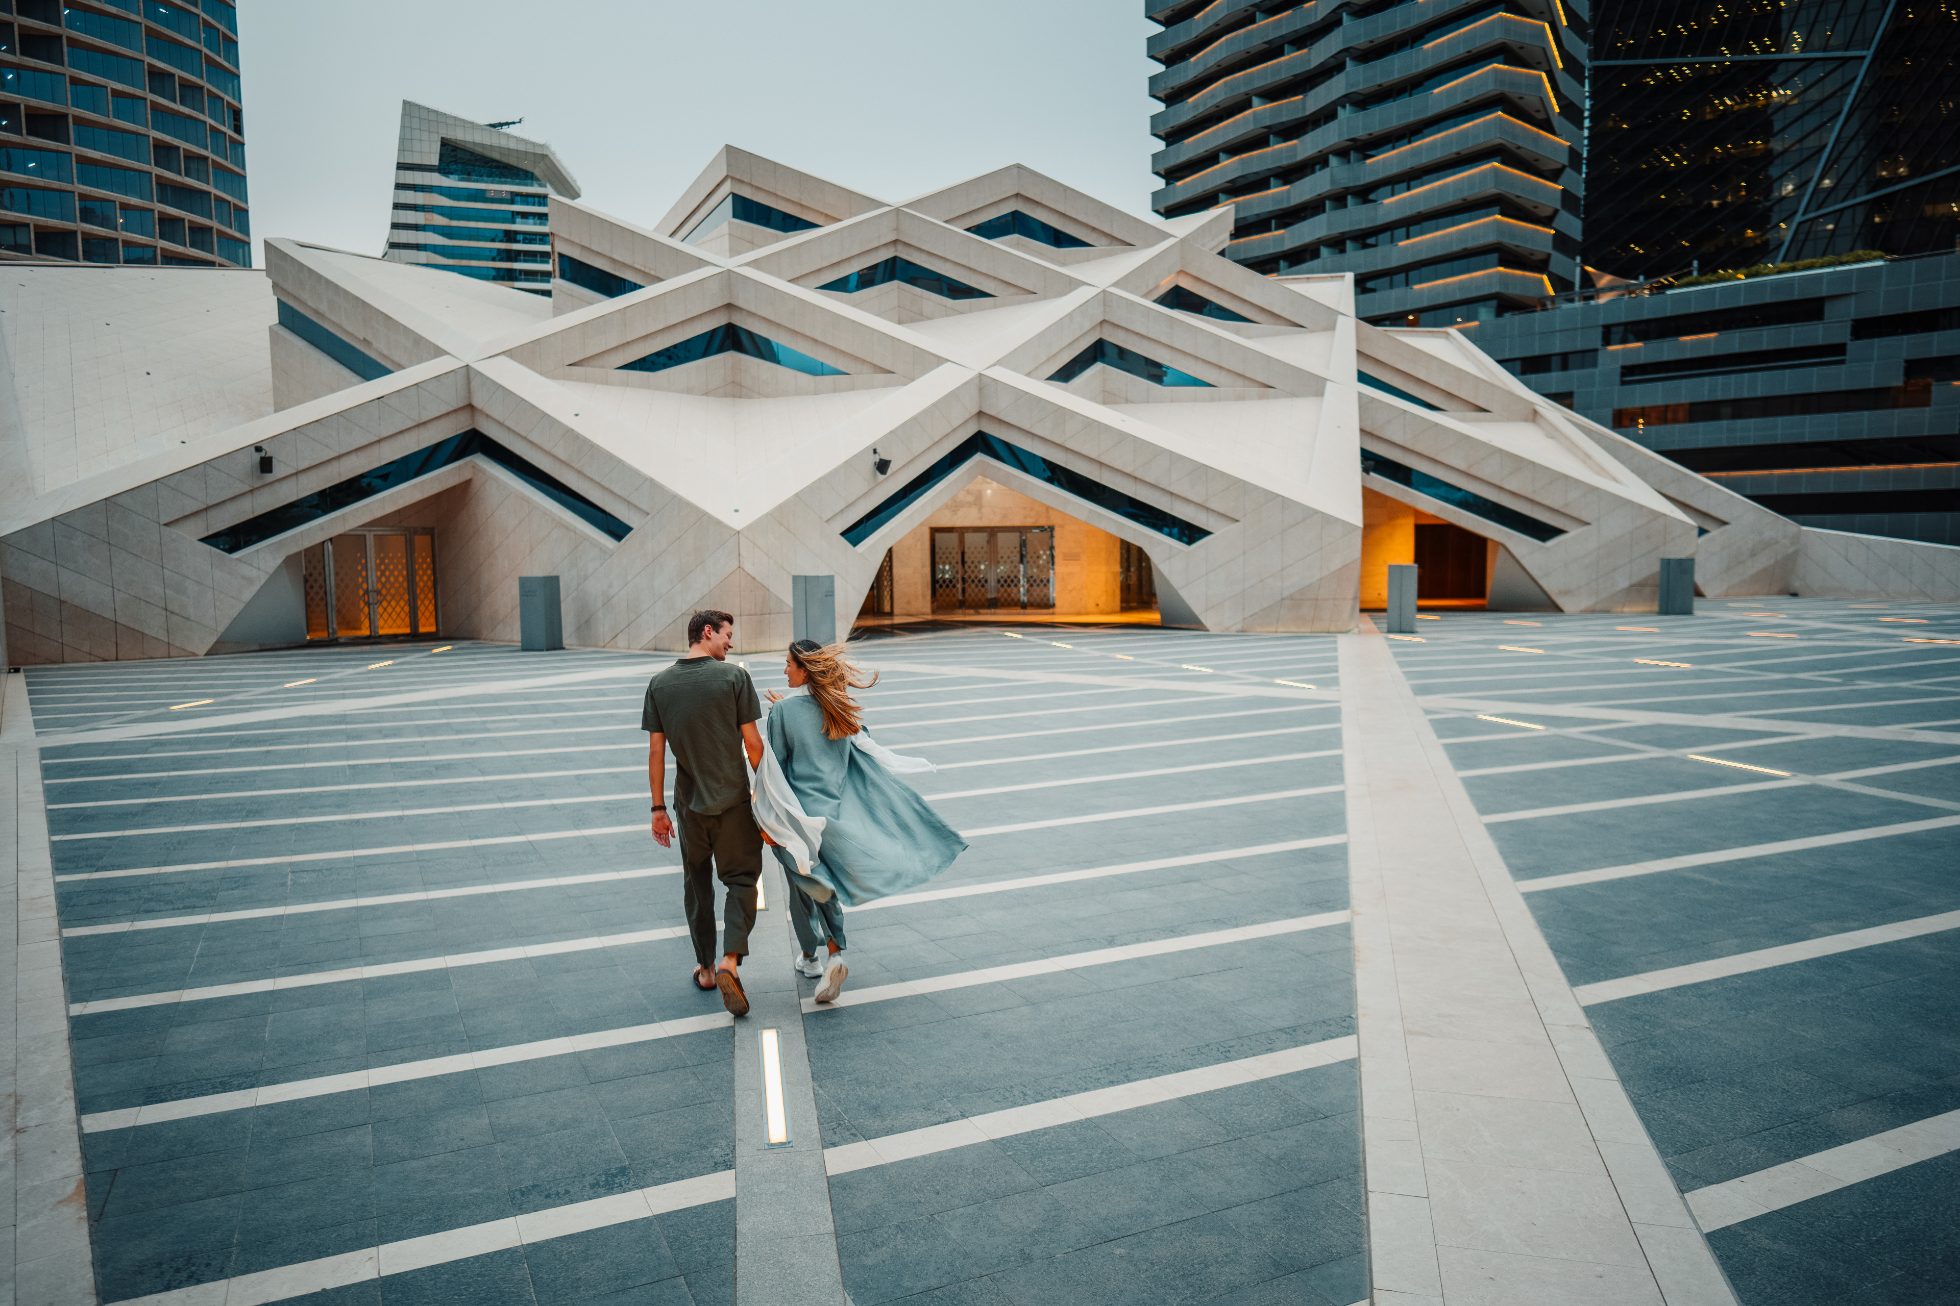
(808,966)
(834,971)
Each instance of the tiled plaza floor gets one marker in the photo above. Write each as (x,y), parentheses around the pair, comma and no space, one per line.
(379,990)
(1741,836)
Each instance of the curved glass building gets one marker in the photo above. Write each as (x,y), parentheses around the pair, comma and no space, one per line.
(121,135)
(1431,149)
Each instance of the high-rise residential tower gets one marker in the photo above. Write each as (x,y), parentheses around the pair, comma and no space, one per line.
(122,139)
(1429,148)
(1725,135)
(471,198)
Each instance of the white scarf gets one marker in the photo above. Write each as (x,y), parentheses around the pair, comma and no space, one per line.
(780,814)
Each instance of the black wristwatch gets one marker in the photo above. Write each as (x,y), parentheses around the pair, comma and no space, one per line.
(660,807)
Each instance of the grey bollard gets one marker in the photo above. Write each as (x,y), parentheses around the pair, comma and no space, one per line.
(540,616)
(813,608)
(1402,599)
(1677,587)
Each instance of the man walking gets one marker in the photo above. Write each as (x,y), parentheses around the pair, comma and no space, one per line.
(707,710)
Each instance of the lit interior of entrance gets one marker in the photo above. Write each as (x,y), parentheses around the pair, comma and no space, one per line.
(992,552)
(1453,564)
(371,584)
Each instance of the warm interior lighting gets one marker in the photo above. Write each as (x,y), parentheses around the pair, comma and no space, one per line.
(444,649)
(1295,684)
(1551,97)
(376,666)
(1921,639)
(1484,272)
(295,684)
(1476,222)
(1909,621)
(1705,335)
(775,1111)
(1427,616)
(1854,467)
(1550,40)
(1656,662)
(1740,766)
(1412,639)
(1518,648)
(196,702)
(1465,126)
(1771,634)
(1507,721)
(1520,621)
(1469,172)
(1632,344)
(1650,630)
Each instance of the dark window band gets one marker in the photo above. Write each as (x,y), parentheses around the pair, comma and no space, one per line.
(1376,383)
(1124,360)
(982,445)
(730,339)
(332,344)
(1016,223)
(597,280)
(905,271)
(1456,496)
(400,471)
(1186,300)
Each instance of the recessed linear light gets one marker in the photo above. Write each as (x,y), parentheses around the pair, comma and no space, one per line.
(1192,667)
(196,702)
(295,684)
(1656,662)
(444,649)
(1058,644)
(1513,621)
(1011,635)
(1411,639)
(1772,634)
(1295,684)
(376,666)
(1427,616)
(1122,657)
(1740,766)
(1762,614)
(1507,721)
(775,1111)
(1518,648)
(1906,621)
(1923,639)
(1647,630)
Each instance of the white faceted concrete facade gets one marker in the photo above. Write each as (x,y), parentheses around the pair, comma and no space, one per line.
(689,421)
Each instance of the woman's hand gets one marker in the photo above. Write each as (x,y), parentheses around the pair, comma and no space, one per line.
(773,695)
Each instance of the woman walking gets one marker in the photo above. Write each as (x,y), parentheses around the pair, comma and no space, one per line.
(846,829)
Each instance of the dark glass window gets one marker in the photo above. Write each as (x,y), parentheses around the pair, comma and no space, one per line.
(130,109)
(56,244)
(189,130)
(476,253)
(488,272)
(55,205)
(163,85)
(223,79)
(100,249)
(107,140)
(182,21)
(1016,223)
(909,273)
(186,199)
(183,58)
(333,345)
(167,157)
(223,13)
(230,183)
(197,168)
(203,239)
(459,163)
(41,46)
(99,213)
(138,222)
(1376,383)
(48,127)
(16,238)
(89,99)
(1881,452)
(191,96)
(455,214)
(479,233)
(1575,360)
(1186,300)
(235,251)
(1771,313)
(1746,362)
(1913,394)
(400,471)
(42,165)
(597,280)
(1124,360)
(1906,324)
(172,230)
(34,84)
(731,339)
(1455,495)
(741,208)
(140,254)
(982,445)
(104,27)
(468,195)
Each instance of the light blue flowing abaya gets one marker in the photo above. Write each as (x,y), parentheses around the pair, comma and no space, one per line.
(878,836)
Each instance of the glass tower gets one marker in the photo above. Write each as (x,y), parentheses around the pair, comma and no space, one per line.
(1727,134)
(1429,148)
(472,198)
(121,136)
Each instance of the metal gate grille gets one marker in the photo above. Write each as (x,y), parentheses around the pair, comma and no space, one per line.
(987,570)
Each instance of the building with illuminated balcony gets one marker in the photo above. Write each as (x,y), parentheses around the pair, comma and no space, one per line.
(1430,149)
(471,198)
(122,139)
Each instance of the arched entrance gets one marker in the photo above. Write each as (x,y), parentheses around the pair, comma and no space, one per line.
(992,553)
(1456,567)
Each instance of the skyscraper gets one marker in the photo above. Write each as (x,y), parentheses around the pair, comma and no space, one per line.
(1429,148)
(1725,135)
(121,135)
(471,198)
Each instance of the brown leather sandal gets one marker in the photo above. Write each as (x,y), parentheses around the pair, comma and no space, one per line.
(704,979)
(732,995)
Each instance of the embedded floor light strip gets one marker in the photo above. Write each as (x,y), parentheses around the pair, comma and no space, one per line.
(1645,630)
(376,666)
(775,1111)
(1906,621)
(1912,639)
(1058,644)
(1771,634)
(295,684)
(1189,666)
(1411,639)
(1513,621)
(444,649)
(1507,721)
(1122,657)
(1657,662)
(1294,684)
(1740,766)
(196,702)
(1742,853)
(1427,616)
(1517,648)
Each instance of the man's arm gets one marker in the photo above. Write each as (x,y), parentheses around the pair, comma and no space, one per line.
(663,824)
(752,744)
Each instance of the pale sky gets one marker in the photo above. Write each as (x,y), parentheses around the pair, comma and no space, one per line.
(889,97)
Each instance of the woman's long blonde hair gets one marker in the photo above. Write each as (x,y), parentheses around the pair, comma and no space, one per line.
(832,678)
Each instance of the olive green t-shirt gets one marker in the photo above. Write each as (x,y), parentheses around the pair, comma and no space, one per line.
(701,705)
